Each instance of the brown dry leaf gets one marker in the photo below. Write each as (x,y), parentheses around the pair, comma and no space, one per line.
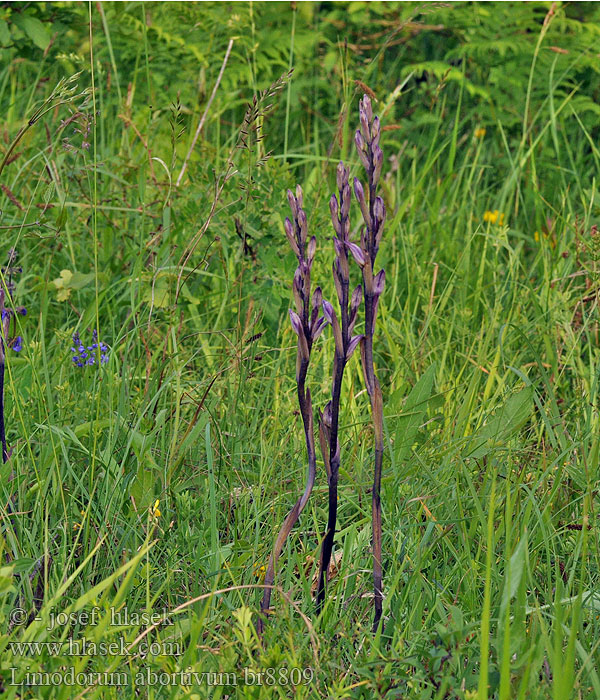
(334,568)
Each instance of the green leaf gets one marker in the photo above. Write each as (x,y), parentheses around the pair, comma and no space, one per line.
(79,280)
(502,425)
(412,415)
(4,33)
(512,581)
(61,218)
(25,564)
(159,293)
(142,487)
(34,29)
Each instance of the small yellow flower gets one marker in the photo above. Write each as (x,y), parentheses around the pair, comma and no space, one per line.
(155,510)
(259,570)
(494,217)
(536,236)
(479,133)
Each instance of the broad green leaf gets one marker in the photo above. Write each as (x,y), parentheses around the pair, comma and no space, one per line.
(79,280)
(502,425)
(159,293)
(25,564)
(33,28)
(512,581)
(4,33)
(142,487)
(412,415)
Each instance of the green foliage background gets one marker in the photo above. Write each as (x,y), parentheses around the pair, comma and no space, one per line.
(162,477)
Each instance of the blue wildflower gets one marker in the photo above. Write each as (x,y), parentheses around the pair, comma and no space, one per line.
(86,355)
(15,343)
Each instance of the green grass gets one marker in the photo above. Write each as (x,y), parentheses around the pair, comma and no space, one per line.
(487,350)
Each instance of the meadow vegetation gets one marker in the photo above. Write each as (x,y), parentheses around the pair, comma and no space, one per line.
(153,434)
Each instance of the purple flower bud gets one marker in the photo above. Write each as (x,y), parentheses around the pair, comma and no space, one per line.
(339,247)
(17,344)
(359,191)
(333,208)
(354,304)
(341,176)
(298,301)
(377,163)
(379,211)
(360,142)
(299,196)
(354,341)
(361,148)
(304,269)
(293,203)
(360,196)
(296,323)
(302,223)
(22,310)
(379,282)
(366,105)
(357,253)
(375,131)
(346,196)
(345,229)
(297,290)
(379,208)
(298,281)
(289,232)
(329,312)
(364,124)
(312,247)
(317,300)
(318,327)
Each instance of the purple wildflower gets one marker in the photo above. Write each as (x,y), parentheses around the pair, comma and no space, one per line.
(86,355)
